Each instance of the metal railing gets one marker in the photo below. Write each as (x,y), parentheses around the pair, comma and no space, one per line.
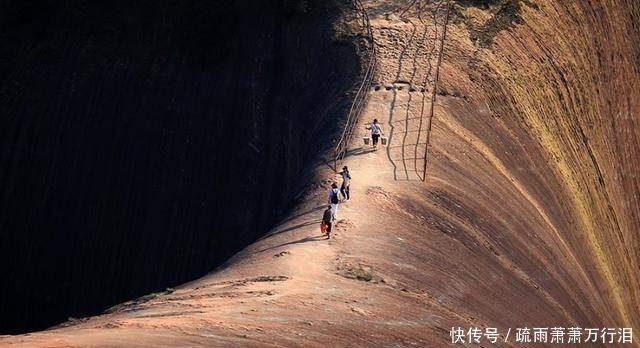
(434,92)
(360,98)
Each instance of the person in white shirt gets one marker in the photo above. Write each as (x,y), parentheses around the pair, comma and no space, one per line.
(376,132)
(334,199)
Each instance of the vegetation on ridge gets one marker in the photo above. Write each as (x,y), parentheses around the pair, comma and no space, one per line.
(505,13)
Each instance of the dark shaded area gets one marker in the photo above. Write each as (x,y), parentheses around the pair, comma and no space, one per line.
(143,143)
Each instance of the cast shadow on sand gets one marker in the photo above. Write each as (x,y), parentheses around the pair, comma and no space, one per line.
(362,151)
(302,240)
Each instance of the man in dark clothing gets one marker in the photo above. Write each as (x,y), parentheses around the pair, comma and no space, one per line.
(346,182)
(326,219)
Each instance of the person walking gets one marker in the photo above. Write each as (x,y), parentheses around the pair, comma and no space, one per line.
(376,132)
(334,199)
(326,220)
(346,182)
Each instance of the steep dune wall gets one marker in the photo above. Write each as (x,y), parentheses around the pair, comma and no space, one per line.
(551,114)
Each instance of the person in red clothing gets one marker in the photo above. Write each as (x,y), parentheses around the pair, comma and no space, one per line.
(326,221)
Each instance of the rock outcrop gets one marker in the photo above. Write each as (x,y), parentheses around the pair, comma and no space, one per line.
(525,214)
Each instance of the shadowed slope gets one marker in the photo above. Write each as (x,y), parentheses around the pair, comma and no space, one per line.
(142,143)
